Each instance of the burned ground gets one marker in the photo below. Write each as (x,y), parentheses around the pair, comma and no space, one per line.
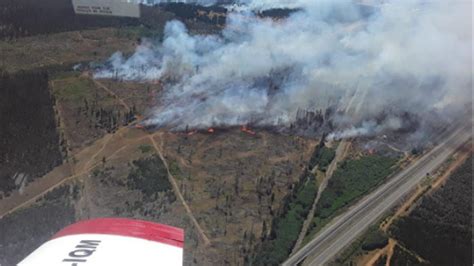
(132,183)
(30,142)
(235,182)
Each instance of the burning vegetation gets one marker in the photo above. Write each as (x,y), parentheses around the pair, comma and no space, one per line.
(345,84)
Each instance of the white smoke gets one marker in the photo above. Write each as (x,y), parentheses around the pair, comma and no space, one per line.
(367,128)
(405,56)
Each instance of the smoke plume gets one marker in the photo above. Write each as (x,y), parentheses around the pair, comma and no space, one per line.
(396,58)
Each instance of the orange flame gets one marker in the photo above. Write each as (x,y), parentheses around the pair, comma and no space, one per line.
(247,130)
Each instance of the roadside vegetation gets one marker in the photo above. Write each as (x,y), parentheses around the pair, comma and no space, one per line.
(286,226)
(322,157)
(371,240)
(353,179)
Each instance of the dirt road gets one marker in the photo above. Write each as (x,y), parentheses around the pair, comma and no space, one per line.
(173,182)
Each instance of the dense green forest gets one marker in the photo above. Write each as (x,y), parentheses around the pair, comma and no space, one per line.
(29,141)
(440,228)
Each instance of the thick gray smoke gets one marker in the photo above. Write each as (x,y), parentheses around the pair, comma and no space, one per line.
(405,56)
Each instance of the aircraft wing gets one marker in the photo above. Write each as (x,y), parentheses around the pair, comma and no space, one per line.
(111,241)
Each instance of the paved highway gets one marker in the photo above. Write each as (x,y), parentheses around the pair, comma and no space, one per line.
(348,226)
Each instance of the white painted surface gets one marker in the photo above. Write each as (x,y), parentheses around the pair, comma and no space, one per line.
(111,250)
(121,8)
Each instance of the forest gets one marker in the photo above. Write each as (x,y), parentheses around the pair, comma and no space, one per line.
(29,139)
(441,222)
